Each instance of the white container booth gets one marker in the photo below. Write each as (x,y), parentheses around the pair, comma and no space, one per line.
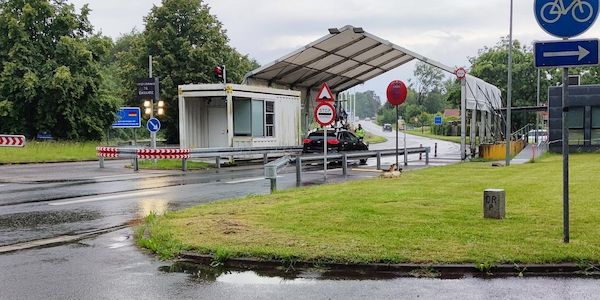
(217,115)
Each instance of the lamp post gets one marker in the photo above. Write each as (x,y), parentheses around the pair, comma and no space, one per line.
(509,90)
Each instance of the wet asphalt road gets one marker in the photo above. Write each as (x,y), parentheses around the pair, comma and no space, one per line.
(111,267)
(44,201)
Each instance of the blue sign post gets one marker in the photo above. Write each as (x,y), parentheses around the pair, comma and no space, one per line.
(437,120)
(565,18)
(569,53)
(153,125)
(128,117)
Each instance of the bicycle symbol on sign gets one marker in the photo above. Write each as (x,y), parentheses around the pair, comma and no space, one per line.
(581,10)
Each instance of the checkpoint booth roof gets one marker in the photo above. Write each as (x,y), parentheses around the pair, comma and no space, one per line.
(347,57)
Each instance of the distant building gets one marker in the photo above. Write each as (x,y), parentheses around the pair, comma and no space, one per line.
(452,112)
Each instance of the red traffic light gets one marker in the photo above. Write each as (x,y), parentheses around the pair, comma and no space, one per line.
(218,71)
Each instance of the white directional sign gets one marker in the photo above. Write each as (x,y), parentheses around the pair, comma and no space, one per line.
(569,53)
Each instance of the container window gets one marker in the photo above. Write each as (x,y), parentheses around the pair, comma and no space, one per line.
(575,122)
(269,118)
(595,125)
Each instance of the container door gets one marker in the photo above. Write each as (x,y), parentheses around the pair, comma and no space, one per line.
(217,127)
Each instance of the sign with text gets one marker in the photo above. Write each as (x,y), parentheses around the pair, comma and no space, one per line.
(147,88)
(128,117)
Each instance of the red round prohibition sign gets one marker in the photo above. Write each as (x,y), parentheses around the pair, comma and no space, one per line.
(324,113)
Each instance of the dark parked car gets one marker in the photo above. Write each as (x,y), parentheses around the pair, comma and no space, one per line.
(387,127)
(336,141)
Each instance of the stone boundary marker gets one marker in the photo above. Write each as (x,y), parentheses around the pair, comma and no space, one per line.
(494,204)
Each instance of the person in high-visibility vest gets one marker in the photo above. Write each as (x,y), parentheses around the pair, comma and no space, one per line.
(360,132)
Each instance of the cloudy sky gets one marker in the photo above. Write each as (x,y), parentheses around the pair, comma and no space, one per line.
(447,31)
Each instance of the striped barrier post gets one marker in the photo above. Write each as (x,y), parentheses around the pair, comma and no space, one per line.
(103,152)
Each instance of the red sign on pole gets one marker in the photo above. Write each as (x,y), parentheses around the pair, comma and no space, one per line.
(324,113)
(12,140)
(396,92)
(325,94)
(460,73)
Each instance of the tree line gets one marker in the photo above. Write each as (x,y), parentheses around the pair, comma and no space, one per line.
(58,75)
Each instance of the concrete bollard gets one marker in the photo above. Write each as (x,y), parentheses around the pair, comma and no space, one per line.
(298,171)
(494,204)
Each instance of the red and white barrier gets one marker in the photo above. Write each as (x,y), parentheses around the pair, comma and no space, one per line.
(107,152)
(171,153)
(12,140)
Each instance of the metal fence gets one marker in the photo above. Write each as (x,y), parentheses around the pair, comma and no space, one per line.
(272,168)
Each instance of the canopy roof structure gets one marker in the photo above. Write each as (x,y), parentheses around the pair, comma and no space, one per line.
(344,58)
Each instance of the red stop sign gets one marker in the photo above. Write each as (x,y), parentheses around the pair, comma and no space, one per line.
(396,92)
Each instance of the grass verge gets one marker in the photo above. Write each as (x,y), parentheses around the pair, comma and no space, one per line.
(171,164)
(427,216)
(374,139)
(40,152)
(426,133)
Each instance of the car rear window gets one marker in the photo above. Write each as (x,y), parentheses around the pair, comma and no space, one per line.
(318,135)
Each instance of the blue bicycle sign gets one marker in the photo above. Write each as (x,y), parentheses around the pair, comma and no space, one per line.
(566,18)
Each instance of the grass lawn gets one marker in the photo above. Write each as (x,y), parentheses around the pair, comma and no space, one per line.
(38,152)
(427,133)
(432,215)
(171,164)
(374,139)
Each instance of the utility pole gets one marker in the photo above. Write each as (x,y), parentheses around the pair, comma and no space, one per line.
(509,91)
(152,134)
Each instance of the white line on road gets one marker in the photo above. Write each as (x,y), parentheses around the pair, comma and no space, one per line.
(1,185)
(124,175)
(248,180)
(102,198)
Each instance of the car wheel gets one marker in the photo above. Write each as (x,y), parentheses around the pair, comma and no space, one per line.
(363,161)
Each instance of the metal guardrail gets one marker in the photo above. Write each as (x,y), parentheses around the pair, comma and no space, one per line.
(273,167)
(216,153)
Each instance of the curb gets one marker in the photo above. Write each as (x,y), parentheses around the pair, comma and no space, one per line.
(402,269)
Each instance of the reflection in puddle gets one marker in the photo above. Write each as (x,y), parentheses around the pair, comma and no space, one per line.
(209,274)
(250,277)
(147,206)
(119,242)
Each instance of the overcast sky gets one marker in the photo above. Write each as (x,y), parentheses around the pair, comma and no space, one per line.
(447,31)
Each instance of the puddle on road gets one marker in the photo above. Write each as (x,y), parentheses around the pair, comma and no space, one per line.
(35,219)
(204,273)
(152,205)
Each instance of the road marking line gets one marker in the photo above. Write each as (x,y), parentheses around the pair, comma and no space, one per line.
(1,185)
(143,193)
(124,175)
(248,180)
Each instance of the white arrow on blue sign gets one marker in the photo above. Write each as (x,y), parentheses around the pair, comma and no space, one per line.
(153,125)
(569,53)
(565,18)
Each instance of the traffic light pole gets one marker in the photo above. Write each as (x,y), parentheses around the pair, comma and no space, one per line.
(152,134)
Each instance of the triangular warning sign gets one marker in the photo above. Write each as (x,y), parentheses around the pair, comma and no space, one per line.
(325,94)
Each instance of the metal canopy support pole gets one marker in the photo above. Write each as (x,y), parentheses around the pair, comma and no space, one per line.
(482,127)
(509,91)
(490,129)
(473,132)
(405,152)
(463,119)
(565,150)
